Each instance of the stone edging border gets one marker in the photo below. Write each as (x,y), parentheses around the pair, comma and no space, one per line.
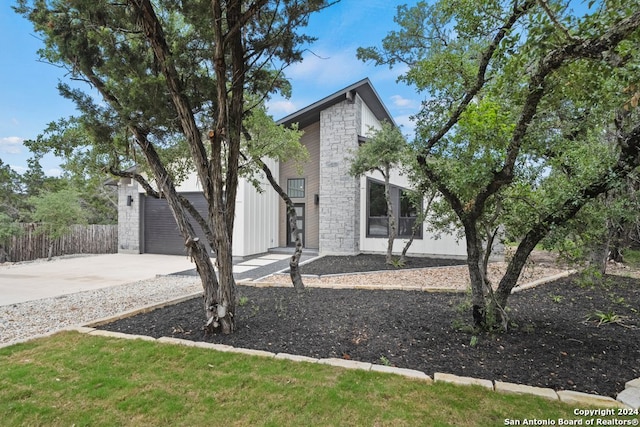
(628,398)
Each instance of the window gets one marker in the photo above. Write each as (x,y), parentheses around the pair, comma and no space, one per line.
(377,221)
(295,188)
(408,215)
(403,209)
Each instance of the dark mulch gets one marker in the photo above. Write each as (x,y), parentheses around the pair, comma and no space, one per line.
(555,340)
(369,262)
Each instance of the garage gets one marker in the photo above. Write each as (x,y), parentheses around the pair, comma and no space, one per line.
(160,232)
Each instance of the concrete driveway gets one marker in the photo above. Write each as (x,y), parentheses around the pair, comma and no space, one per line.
(42,279)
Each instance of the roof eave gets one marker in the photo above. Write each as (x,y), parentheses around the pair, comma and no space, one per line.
(364,88)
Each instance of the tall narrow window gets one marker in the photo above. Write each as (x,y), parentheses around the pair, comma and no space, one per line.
(295,188)
(377,220)
(408,215)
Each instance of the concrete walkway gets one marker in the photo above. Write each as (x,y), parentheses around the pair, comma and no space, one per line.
(60,276)
(66,275)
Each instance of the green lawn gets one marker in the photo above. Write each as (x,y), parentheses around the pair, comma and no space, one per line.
(76,379)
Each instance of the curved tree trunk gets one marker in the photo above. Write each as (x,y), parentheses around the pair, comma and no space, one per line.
(196,249)
(294,268)
(420,219)
(403,255)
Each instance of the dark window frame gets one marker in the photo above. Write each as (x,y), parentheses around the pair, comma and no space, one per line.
(403,229)
(294,192)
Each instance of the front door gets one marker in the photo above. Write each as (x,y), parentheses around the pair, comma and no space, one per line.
(291,238)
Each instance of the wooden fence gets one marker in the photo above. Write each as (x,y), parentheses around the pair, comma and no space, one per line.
(83,239)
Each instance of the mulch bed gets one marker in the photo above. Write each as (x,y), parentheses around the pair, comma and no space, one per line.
(557,339)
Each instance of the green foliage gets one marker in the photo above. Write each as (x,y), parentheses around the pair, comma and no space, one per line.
(265,139)
(397,263)
(557,298)
(474,341)
(385,361)
(11,200)
(523,125)
(383,149)
(590,277)
(58,211)
(604,318)
(8,227)
(632,257)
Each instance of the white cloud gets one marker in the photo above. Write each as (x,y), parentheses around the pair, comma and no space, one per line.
(407,126)
(340,67)
(18,169)
(55,172)
(279,108)
(402,102)
(11,145)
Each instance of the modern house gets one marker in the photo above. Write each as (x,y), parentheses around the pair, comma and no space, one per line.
(337,213)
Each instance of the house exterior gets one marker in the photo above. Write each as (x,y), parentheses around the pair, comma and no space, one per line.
(337,213)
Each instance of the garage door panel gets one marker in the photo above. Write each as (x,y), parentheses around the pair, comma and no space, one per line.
(161,235)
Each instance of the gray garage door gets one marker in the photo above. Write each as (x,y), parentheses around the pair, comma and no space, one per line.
(161,235)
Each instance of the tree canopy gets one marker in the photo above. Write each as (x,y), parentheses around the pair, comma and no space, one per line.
(173,76)
(530,111)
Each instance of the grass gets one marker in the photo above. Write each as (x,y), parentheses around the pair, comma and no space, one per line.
(632,257)
(77,379)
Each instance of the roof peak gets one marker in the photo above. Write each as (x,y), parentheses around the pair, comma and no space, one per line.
(364,88)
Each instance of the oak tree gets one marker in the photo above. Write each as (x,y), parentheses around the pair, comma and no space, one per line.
(529,104)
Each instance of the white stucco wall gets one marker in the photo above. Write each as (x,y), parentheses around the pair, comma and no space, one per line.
(255,229)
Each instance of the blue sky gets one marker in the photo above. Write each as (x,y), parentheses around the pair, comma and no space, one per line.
(29,99)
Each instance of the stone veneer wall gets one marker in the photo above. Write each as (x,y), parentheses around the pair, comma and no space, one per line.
(339,226)
(128,218)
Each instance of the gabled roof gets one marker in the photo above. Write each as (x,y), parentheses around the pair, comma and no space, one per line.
(311,113)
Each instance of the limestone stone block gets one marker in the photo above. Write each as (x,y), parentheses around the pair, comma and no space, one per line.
(505,387)
(455,379)
(343,363)
(409,373)
(296,358)
(113,334)
(578,398)
(212,346)
(630,397)
(252,352)
(633,383)
(81,329)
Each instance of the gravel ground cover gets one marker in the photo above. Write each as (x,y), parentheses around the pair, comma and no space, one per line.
(22,321)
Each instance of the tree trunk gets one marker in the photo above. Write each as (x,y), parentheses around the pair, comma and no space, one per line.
(50,256)
(516,264)
(476,275)
(294,267)
(391,218)
(196,249)
(403,255)
(488,248)
(420,218)
(219,179)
